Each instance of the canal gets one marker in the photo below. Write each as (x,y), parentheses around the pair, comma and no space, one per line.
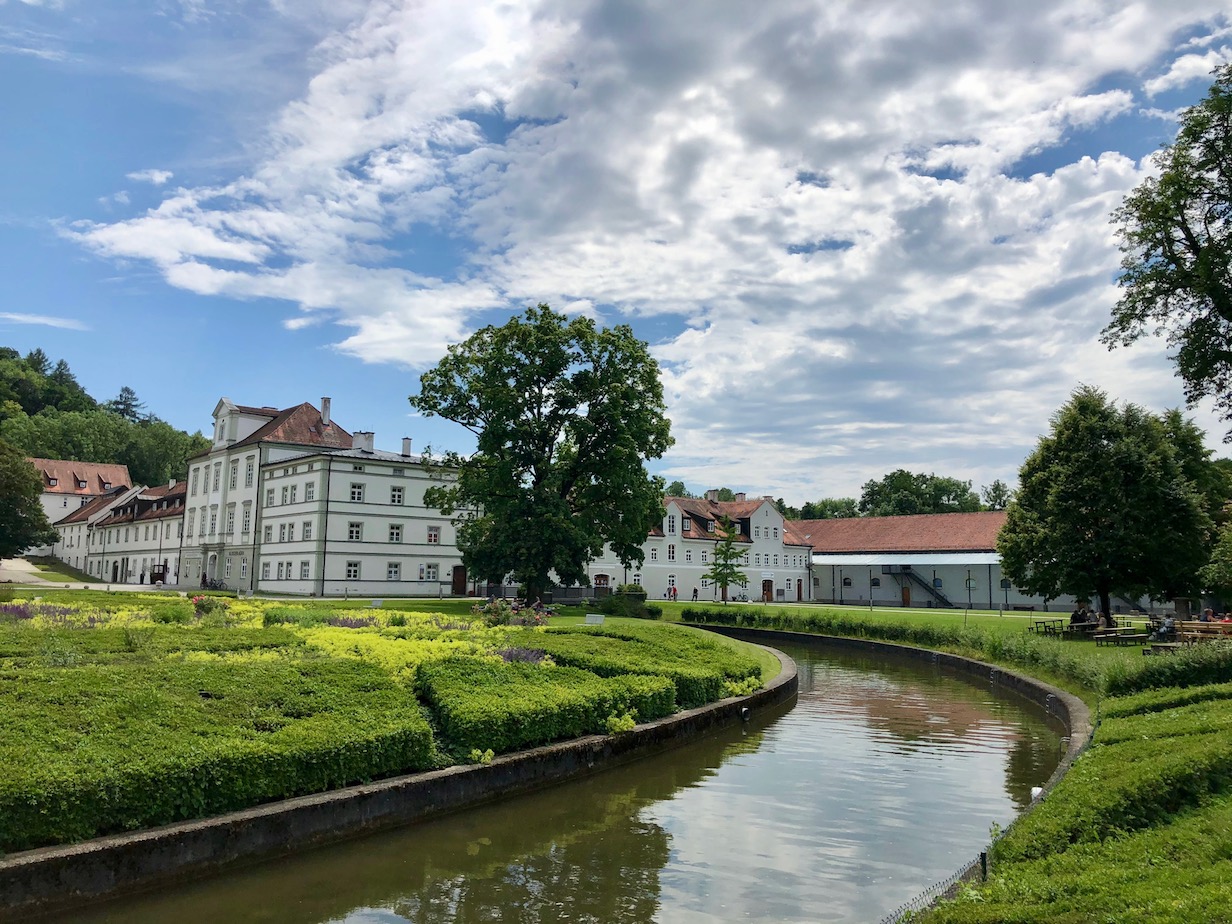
(884,777)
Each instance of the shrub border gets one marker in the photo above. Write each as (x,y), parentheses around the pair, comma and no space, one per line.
(58,878)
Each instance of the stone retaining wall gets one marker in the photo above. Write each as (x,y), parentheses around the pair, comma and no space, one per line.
(52,878)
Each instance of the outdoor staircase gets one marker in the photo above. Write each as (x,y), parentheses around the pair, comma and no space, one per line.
(939,598)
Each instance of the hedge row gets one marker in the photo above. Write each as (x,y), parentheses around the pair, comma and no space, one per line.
(504,706)
(96,749)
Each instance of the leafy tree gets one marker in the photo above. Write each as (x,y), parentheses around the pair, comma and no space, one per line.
(996,496)
(829,508)
(724,570)
(23,524)
(565,415)
(1175,233)
(788,512)
(677,489)
(38,362)
(902,492)
(1216,574)
(126,405)
(1103,506)
(726,494)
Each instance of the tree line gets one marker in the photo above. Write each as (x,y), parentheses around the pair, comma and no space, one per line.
(46,413)
(900,493)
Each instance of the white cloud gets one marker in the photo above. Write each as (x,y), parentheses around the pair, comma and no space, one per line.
(156,177)
(812,210)
(44,320)
(1188,69)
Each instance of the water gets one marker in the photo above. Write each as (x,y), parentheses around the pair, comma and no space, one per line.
(885,777)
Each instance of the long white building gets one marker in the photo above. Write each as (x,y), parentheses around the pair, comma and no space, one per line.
(68,486)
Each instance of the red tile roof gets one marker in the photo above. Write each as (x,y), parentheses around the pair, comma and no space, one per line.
(83,513)
(68,475)
(299,426)
(926,532)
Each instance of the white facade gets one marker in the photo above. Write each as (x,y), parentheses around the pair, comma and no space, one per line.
(139,542)
(69,486)
(353,523)
(680,551)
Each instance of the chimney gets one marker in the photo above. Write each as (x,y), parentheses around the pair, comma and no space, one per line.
(325,412)
(739,496)
(406,445)
(713,495)
(171,483)
(769,497)
(362,440)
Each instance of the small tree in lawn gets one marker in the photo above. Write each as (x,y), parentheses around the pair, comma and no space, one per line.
(725,570)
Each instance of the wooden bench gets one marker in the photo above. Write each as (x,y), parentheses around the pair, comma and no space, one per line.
(1158,648)
(1120,638)
(1192,631)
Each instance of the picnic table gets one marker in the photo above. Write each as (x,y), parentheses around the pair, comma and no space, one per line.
(1048,626)
(1079,629)
(1126,635)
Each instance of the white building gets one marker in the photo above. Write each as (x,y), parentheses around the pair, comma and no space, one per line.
(138,541)
(352,522)
(68,486)
(76,544)
(680,550)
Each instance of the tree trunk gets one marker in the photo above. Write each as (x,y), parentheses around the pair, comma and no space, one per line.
(1105,602)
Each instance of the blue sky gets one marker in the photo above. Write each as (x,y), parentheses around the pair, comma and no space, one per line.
(856,241)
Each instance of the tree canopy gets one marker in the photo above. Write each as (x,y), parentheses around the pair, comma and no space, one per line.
(23,523)
(565,414)
(902,492)
(1175,233)
(1104,506)
(829,508)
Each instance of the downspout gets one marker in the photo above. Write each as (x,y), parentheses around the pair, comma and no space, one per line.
(256,520)
(329,467)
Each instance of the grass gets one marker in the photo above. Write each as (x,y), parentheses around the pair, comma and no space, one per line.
(52,569)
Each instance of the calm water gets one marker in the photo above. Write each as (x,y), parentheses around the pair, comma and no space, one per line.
(884,778)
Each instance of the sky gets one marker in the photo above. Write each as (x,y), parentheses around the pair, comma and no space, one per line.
(857,236)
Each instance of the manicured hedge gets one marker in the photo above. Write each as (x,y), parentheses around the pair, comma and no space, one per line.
(503,706)
(95,749)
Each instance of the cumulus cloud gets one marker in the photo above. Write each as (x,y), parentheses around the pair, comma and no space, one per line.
(1188,69)
(812,210)
(156,177)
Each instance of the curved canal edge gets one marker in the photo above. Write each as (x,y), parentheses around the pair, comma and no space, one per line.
(58,878)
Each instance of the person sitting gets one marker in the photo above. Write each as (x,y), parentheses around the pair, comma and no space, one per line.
(1103,622)
(1208,615)
(1166,631)
(1078,616)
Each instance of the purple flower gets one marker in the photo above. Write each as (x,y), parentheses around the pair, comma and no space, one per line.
(529,655)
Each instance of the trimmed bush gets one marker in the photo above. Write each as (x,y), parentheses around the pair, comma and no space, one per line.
(505,706)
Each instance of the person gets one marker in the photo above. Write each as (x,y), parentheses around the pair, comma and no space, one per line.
(204,581)
(695,594)
(1208,615)
(1078,616)
(1102,621)
(674,592)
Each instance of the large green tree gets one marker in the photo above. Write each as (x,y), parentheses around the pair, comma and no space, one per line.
(565,414)
(724,570)
(23,524)
(1175,232)
(903,492)
(829,508)
(1104,506)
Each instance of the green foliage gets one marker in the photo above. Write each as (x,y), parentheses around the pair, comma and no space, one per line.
(23,524)
(565,415)
(1207,663)
(1104,506)
(1176,250)
(726,559)
(996,496)
(830,508)
(511,705)
(481,757)
(903,492)
(621,724)
(635,607)
(124,747)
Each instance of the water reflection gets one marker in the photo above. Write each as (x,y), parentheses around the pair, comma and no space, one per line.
(882,779)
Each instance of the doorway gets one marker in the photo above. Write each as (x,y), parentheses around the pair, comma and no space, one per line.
(906,595)
(767,591)
(799,590)
(459,581)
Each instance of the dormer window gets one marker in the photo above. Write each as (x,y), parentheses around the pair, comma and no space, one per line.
(106,485)
(52,481)
(710,526)
(82,484)
(686,525)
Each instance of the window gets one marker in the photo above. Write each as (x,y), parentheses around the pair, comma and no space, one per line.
(213,522)
(269,533)
(757,559)
(280,571)
(703,556)
(776,561)
(290,532)
(246,521)
(352,570)
(269,497)
(357,491)
(147,532)
(180,532)
(306,533)
(217,474)
(284,493)
(248,472)
(304,571)
(356,467)
(431,572)
(234,478)
(310,491)
(243,568)
(756,532)
(53,481)
(397,472)
(355,531)
(294,487)
(230,519)
(671,553)
(746,558)
(671,525)
(705,583)
(654,554)
(688,555)
(846,582)
(776,532)
(395,532)
(637,578)
(82,484)
(227,569)
(393,571)
(434,535)
(195,473)
(395,495)
(265,570)
(671,580)
(876,582)
(126,534)
(710,526)
(686,525)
